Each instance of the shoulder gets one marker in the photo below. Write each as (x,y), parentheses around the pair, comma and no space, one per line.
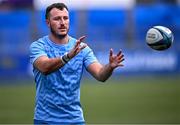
(38,43)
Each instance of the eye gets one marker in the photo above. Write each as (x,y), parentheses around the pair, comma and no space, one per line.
(66,17)
(57,18)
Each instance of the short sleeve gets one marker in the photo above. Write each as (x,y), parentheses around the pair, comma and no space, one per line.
(36,50)
(89,57)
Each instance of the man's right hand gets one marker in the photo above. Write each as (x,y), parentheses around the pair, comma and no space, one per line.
(77,48)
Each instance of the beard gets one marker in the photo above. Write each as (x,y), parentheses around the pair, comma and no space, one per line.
(60,36)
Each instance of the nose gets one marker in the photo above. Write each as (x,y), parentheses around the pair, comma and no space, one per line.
(62,21)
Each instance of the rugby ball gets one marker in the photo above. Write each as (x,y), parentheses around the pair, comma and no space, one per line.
(159,38)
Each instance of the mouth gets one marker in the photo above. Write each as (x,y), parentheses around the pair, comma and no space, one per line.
(62,29)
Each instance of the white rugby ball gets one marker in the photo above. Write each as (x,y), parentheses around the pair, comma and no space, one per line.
(159,38)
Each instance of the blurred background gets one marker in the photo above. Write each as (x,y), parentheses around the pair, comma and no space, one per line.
(145,90)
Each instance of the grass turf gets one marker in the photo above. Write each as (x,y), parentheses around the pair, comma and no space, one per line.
(131,100)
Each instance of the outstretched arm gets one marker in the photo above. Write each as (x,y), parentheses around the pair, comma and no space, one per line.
(102,73)
(47,65)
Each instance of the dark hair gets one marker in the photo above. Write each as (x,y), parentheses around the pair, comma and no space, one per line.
(59,6)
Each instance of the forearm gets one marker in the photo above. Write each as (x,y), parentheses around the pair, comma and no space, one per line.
(47,65)
(104,73)
(114,62)
(52,65)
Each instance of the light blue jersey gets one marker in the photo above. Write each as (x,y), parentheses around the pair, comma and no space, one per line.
(58,93)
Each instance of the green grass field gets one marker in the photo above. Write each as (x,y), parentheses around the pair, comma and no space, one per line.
(129,100)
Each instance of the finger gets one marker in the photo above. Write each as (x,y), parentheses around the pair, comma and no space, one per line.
(79,40)
(111,52)
(121,60)
(78,50)
(82,47)
(120,56)
(120,63)
(77,44)
(119,53)
(82,38)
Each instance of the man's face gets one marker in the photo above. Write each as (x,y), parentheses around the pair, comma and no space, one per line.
(58,22)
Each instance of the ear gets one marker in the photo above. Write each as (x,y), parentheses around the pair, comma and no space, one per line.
(48,22)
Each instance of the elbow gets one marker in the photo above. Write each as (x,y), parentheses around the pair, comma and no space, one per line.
(44,67)
(45,70)
(102,80)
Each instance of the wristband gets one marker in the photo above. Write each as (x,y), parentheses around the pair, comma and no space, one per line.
(65,58)
(63,62)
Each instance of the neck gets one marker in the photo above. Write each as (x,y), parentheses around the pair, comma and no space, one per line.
(56,40)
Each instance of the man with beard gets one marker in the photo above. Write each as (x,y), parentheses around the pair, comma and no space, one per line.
(58,61)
